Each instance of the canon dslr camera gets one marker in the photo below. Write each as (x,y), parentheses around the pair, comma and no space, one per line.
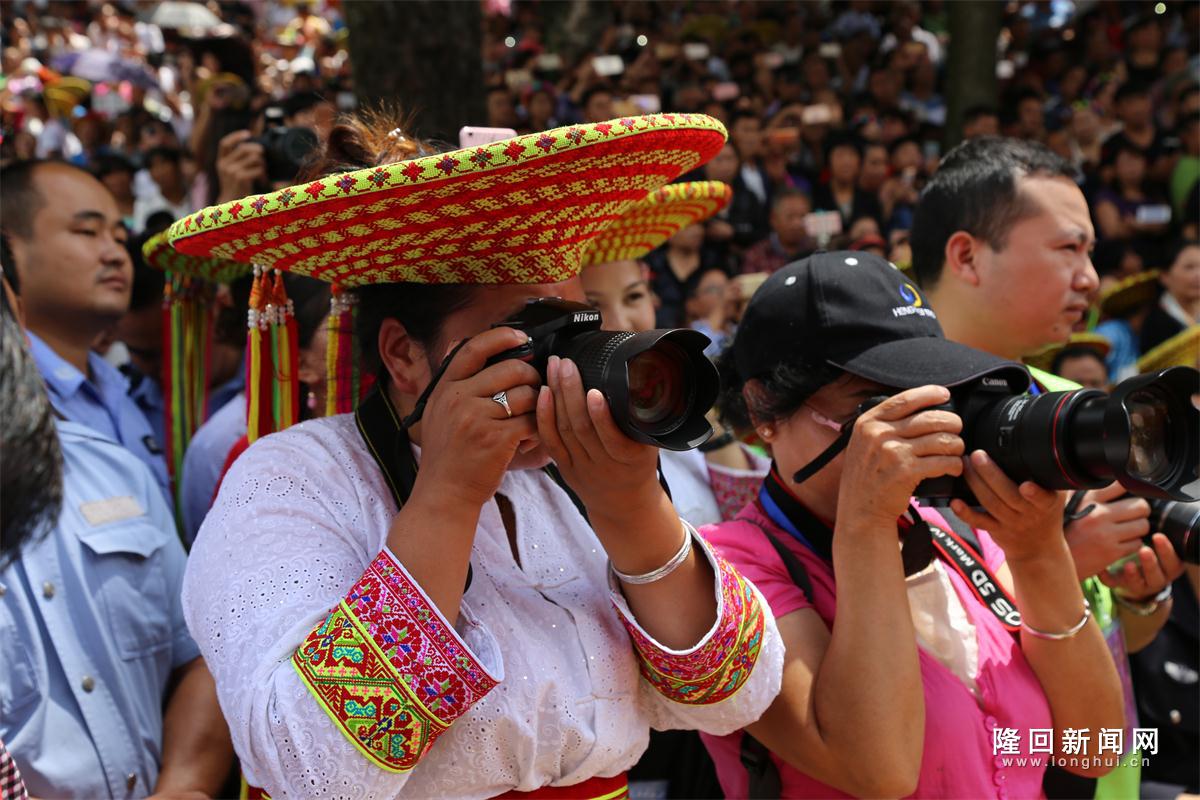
(1145,435)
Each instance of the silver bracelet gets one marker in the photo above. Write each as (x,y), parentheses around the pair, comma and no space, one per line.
(663,571)
(1143,608)
(1067,634)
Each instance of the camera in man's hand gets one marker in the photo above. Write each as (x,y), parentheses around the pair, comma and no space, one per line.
(285,149)
(1180,522)
(1145,435)
(659,384)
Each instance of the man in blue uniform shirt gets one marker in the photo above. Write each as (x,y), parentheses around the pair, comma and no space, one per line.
(102,690)
(74,278)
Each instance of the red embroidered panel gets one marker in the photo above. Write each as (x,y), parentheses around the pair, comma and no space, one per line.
(388,670)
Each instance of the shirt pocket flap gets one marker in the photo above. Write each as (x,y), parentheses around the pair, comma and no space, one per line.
(135,536)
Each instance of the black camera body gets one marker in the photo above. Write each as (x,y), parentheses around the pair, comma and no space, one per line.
(970,402)
(659,384)
(1145,434)
(285,149)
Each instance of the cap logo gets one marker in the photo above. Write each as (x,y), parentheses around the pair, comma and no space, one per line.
(913,303)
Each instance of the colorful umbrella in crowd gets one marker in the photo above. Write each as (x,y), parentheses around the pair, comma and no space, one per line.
(102,66)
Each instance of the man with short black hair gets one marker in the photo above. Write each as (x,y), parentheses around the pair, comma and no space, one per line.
(1134,108)
(789,239)
(501,107)
(979,121)
(1002,245)
(1083,365)
(165,166)
(75,279)
(597,104)
(997,288)
(309,110)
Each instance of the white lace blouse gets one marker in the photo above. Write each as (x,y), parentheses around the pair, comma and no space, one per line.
(339,678)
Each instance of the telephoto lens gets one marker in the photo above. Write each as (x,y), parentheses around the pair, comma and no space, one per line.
(659,384)
(1180,522)
(1145,435)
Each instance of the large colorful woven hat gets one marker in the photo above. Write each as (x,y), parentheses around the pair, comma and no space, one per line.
(1124,296)
(1044,358)
(1181,350)
(664,212)
(522,210)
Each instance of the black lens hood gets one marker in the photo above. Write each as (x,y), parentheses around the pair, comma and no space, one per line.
(1175,386)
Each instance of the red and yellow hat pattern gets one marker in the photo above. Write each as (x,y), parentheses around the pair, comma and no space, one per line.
(161,255)
(522,210)
(664,212)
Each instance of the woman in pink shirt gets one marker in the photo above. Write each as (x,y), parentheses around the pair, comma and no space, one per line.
(901,678)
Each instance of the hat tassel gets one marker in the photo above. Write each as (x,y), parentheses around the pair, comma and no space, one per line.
(187,351)
(342,379)
(285,347)
(258,372)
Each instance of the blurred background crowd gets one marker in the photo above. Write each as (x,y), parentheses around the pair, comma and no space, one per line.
(837,111)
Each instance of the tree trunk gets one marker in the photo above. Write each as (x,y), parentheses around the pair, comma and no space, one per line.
(971,61)
(423,56)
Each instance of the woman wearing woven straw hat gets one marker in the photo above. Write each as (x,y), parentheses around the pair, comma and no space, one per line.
(400,602)
(905,649)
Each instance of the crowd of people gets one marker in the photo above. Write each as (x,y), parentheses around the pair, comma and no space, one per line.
(512,607)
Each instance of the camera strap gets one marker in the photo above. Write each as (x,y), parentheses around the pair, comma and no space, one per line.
(959,547)
(790,515)
(827,455)
(386,438)
(419,408)
(839,444)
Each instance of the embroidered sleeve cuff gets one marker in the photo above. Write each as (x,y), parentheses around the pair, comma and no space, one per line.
(389,670)
(719,664)
(734,488)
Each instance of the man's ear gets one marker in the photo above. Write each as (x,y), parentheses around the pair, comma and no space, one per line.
(963,253)
(403,358)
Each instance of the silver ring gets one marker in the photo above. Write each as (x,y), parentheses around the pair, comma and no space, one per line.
(502,399)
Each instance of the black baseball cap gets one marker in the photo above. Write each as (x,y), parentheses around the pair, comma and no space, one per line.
(855,311)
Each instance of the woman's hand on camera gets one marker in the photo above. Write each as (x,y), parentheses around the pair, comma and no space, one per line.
(895,446)
(1025,520)
(467,438)
(609,471)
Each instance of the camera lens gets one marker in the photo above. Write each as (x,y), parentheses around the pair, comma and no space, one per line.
(657,382)
(1179,522)
(1146,435)
(1149,458)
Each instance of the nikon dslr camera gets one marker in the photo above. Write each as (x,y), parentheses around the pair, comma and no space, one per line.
(659,384)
